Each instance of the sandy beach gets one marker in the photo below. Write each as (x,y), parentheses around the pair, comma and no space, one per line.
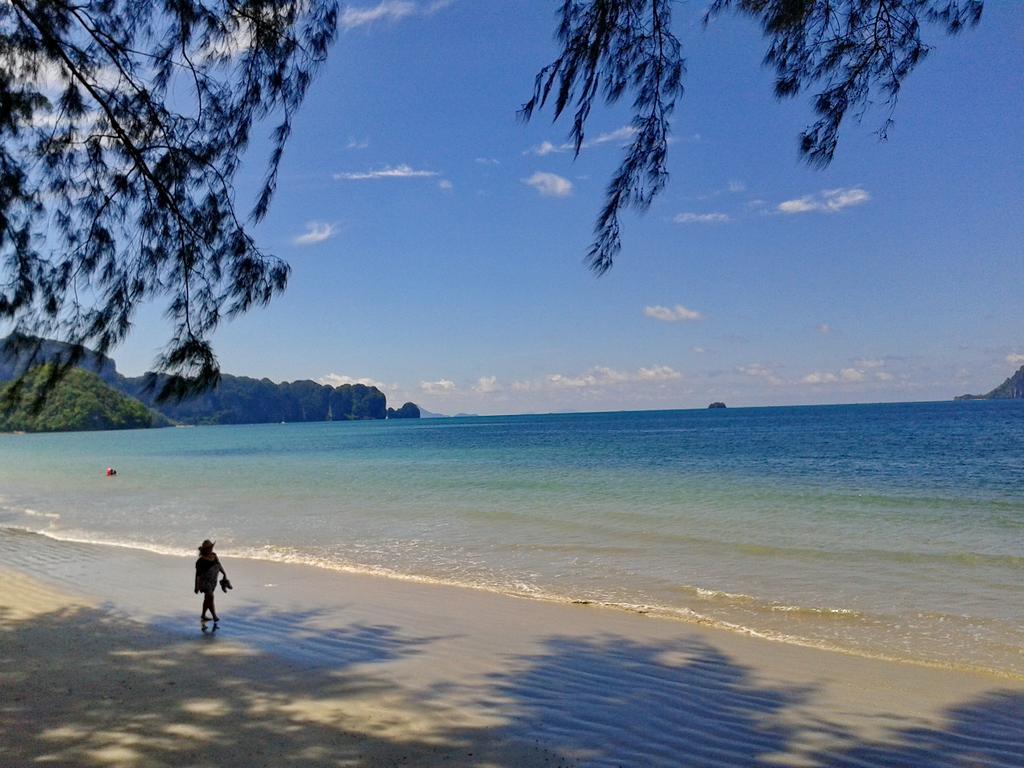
(103,662)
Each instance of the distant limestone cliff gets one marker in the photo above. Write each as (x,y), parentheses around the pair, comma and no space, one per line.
(236,400)
(1011,389)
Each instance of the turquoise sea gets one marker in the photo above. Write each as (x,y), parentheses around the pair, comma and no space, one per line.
(891,530)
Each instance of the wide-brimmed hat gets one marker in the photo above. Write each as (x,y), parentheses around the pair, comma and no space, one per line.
(206,546)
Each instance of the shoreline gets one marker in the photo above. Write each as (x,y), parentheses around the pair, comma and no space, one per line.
(662,613)
(326,668)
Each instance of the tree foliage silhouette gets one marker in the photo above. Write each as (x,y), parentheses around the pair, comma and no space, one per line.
(853,50)
(123,123)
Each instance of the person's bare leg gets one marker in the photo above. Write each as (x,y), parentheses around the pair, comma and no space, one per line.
(208,605)
(213,611)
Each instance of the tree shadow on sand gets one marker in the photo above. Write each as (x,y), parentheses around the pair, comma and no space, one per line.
(611,701)
(305,637)
(615,702)
(80,687)
(988,731)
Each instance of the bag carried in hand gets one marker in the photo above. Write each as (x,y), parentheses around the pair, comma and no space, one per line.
(225,584)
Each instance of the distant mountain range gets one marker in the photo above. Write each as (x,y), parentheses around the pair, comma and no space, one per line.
(1011,389)
(236,400)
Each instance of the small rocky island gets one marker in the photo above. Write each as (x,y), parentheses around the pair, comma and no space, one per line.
(1011,389)
(717,404)
(407,411)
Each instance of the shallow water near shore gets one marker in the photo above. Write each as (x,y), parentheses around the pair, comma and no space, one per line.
(889,530)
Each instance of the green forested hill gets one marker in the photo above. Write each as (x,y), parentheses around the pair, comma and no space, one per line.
(81,401)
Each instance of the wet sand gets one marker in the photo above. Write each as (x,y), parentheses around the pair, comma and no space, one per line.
(103,662)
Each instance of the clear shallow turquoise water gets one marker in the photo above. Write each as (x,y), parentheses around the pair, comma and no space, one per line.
(894,530)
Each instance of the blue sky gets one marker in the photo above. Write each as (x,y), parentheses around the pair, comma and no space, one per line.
(437,243)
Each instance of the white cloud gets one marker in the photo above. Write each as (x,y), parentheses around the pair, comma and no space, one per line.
(619,134)
(599,377)
(573,382)
(44,119)
(698,350)
(547,148)
(826,201)
(672,314)
(1015,358)
(486,384)
(487,161)
(316,232)
(337,379)
(402,171)
(701,218)
(354,143)
(48,76)
(820,378)
(837,199)
(235,43)
(761,371)
(737,186)
(658,373)
(862,370)
(549,184)
(825,329)
(801,205)
(389,10)
(845,376)
(439,387)
(446,185)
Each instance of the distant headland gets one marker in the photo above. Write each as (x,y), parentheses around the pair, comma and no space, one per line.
(717,404)
(1011,389)
(104,398)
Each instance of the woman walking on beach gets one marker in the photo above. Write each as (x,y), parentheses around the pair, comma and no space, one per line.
(208,567)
